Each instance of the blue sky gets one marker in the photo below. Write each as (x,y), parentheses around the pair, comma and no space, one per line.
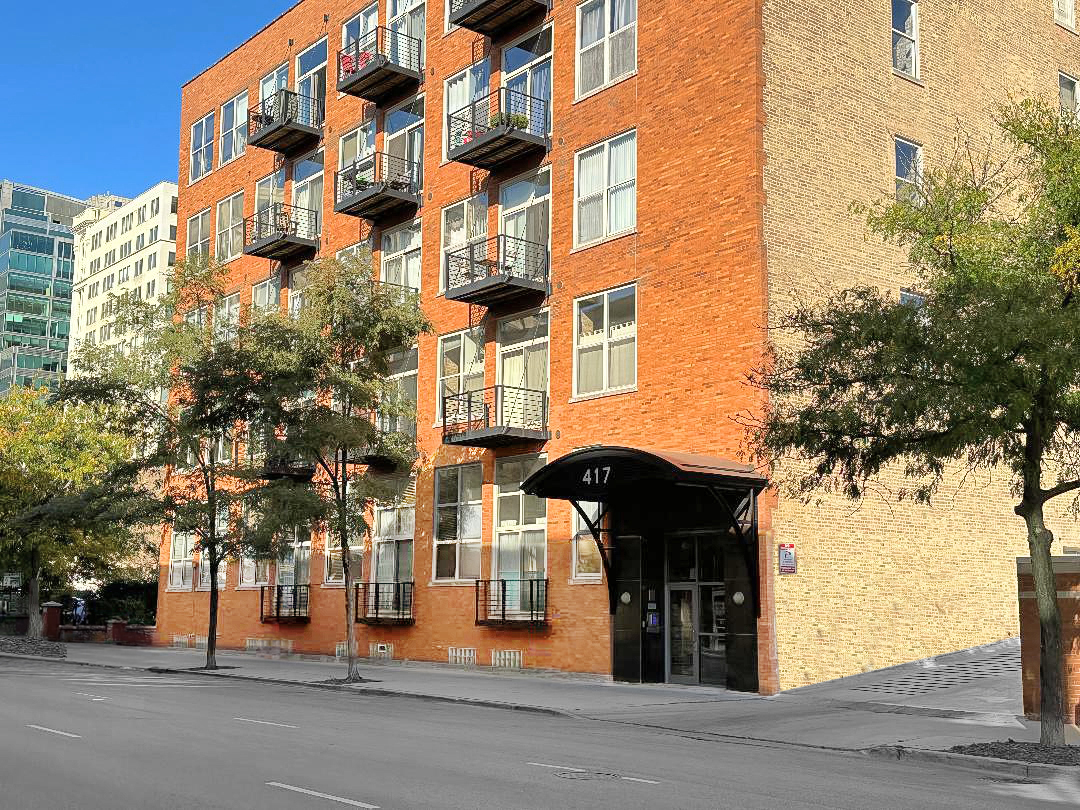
(90,92)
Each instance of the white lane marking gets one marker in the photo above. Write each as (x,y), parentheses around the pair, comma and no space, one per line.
(350,802)
(54,731)
(264,722)
(557,767)
(93,698)
(635,779)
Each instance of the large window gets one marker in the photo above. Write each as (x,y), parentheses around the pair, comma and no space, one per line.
(270,190)
(587,563)
(605,186)
(360,25)
(607,43)
(265,296)
(311,82)
(394,527)
(202,147)
(908,168)
(274,81)
(234,127)
(520,528)
(605,341)
(404,136)
(401,385)
(401,256)
(523,352)
(461,368)
(181,552)
(905,37)
(463,223)
(227,318)
(1067,94)
(334,571)
(406,17)
(458,508)
(1065,13)
(294,564)
(221,528)
(254,572)
(524,211)
(230,227)
(462,89)
(308,194)
(357,144)
(199,231)
(527,70)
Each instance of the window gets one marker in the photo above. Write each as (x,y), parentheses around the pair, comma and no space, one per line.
(108,282)
(334,572)
(404,137)
(407,17)
(198,233)
(360,25)
(905,37)
(607,43)
(270,190)
(272,82)
(458,508)
(586,563)
(1067,94)
(297,281)
(605,185)
(908,169)
(265,296)
(523,367)
(139,265)
(357,144)
(221,528)
(294,564)
(154,234)
(124,274)
(180,559)
(142,215)
(463,89)
(308,194)
(401,385)
(230,227)
(401,256)
(127,223)
(140,241)
(151,287)
(461,369)
(527,70)
(227,318)
(393,542)
(520,531)
(202,147)
(311,82)
(605,341)
(125,249)
(1065,13)
(155,207)
(524,206)
(254,572)
(151,261)
(463,223)
(234,122)
(110,232)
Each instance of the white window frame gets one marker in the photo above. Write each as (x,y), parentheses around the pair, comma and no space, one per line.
(460,505)
(499,529)
(272,295)
(525,344)
(418,249)
(239,128)
(913,37)
(332,551)
(253,573)
(607,233)
(605,45)
(279,81)
(508,76)
(299,185)
(202,244)
(1065,13)
(368,128)
(605,340)
(234,229)
(181,562)
(918,162)
(1065,77)
(474,93)
(580,534)
(272,187)
(227,317)
(477,338)
(401,520)
(201,148)
(474,205)
(405,133)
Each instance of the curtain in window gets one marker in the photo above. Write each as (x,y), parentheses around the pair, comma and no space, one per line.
(590,194)
(591,47)
(622,173)
(622,338)
(623,49)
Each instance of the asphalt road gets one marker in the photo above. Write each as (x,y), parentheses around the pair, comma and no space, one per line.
(97,739)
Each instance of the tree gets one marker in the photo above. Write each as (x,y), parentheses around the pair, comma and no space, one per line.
(982,372)
(192,343)
(333,407)
(69,501)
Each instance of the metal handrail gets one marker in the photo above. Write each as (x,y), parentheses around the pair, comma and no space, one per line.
(511,600)
(384,600)
(379,46)
(285,107)
(281,220)
(284,602)
(495,406)
(500,109)
(497,255)
(393,171)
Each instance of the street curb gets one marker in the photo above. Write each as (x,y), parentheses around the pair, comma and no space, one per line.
(1001,767)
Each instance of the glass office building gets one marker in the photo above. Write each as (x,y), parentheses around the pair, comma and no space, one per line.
(36,271)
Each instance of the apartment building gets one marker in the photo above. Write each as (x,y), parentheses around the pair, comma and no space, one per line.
(600,206)
(125,249)
(36,270)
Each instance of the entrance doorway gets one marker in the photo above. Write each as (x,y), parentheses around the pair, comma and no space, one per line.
(696,610)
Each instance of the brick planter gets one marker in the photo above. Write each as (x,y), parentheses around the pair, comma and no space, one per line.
(1067,576)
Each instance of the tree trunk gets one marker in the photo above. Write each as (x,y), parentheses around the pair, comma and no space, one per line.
(211,632)
(1050,663)
(350,577)
(33,597)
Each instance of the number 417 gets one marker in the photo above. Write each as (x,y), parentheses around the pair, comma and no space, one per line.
(596,475)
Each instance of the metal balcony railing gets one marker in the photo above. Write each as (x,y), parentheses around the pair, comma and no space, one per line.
(284,603)
(284,107)
(501,409)
(12,602)
(288,466)
(502,256)
(384,603)
(511,601)
(281,221)
(500,111)
(377,184)
(376,48)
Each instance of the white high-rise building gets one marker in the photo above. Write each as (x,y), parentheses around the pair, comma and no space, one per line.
(129,250)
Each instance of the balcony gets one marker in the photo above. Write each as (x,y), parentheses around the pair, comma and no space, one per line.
(497,270)
(381,64)
(378,186)
(384,603)
(286,122)
(511,602)
(500,127)
(282,233)
(489,17)
(12,602)
(495,417)
(284,603)
(293,467)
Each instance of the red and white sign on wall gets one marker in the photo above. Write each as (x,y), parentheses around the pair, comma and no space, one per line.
(787,558)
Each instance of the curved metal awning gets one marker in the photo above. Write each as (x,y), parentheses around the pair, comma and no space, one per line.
(601,472)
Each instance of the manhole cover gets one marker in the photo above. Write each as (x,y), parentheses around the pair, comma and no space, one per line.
(585,775)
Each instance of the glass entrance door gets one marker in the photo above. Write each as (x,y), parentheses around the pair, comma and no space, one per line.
(682,643)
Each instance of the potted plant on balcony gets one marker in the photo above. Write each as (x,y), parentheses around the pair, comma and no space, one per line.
(511,120)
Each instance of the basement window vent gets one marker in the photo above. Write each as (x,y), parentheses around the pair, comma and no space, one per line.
(181,641)
(341,648)
(463,656)
(507,659)
(380,649)
(253,644)
(200,642)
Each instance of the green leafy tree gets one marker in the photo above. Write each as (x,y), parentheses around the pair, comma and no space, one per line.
(983,372)
(331,405)
(70,502)
(193,343)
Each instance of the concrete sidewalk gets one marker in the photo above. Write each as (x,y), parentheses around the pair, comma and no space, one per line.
(971,696)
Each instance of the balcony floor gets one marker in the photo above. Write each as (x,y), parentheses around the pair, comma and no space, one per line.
(378,202)
(286,137)
(497,289)
(488,17)
(503,436)
(379,80)
(497,146)
(283,248)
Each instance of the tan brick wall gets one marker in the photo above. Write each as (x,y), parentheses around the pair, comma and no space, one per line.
(886,582)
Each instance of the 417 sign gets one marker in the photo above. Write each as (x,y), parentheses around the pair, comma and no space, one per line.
(596,476)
